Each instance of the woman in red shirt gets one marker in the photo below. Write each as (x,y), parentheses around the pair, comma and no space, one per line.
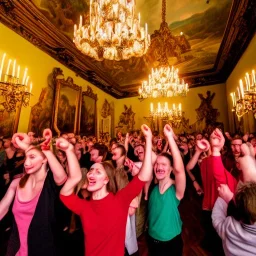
(104,215)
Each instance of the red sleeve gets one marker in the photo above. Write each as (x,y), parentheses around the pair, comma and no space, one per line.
(73,203)
(221,175)
(133,189)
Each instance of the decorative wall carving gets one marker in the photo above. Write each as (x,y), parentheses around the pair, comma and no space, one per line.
(126,120)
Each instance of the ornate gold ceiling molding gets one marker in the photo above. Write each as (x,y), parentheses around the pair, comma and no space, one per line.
(24,18)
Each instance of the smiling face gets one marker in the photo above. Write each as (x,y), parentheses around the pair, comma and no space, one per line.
(97,178)
(34,161)
(139,152)
(162,167)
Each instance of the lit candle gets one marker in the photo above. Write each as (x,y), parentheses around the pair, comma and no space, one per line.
(18,72)
(13,68)
(80,24)
(159,106)
(239,97)
(232,96)
(166,105)
(248,79)
(30,90)
(180,107)
(241,88)
(146,30)
(253,78)
(2,65)
(151,107)
(8,67)
(173,106)
(24,76)
(26,83)
(139,18)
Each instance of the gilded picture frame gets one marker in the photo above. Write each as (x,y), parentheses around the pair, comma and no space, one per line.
(88,122)
(67,106)
(9,121)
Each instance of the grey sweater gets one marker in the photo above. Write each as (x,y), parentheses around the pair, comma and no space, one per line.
(238,239)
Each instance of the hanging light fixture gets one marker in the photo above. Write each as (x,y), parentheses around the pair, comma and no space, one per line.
(245,100)
(173,115)
(164,81)
(13,89)
(113,31)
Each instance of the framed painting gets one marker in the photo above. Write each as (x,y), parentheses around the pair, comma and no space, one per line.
(67,106)
(9,121)
(88,122)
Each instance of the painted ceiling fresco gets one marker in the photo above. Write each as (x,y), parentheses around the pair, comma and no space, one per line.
(215,33)
(195,19)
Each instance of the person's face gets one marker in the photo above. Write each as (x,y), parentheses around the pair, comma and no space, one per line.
(113,147)
(97,178)
(61,157)
(159,145)
(236,147)
(253,142)
(199,136)
(78,154)
(94,155)
(162,168)
(7,143)
(34,161)
(65,136)
(117,153)
(139,152)
(89,145)
(183,146)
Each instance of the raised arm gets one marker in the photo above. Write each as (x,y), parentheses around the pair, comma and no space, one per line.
(178,167)
(75,173)
(21,140)
(8,198)
(221,175)
(247,163)
(145,173)
(58,171)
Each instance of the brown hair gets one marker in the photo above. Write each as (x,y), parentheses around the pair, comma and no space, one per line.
(245,200)
(25,177)
(110,171)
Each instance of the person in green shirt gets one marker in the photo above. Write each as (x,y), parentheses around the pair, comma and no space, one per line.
(164,233)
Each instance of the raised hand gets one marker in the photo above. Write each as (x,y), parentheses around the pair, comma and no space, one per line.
(21,140)
(47,135)
(168,132)
(202,145)
(63,144)
(217,140)
(225,193)
(247,162)
(146,131)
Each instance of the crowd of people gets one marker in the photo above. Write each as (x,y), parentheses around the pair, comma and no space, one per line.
(75,195)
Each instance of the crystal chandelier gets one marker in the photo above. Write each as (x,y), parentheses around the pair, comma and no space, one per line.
(173,115)
(245,100)
(113,31)
(163,81)
(12,89)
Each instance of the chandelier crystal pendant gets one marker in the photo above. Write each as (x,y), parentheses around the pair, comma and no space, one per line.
(113,31)
(245,100)
(163,81)
(173,115)
(13,89)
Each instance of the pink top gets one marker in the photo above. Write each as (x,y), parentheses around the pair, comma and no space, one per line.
(23,213)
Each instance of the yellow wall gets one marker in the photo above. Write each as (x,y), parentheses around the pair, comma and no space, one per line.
(246,64)
(39,65)
(189,104)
